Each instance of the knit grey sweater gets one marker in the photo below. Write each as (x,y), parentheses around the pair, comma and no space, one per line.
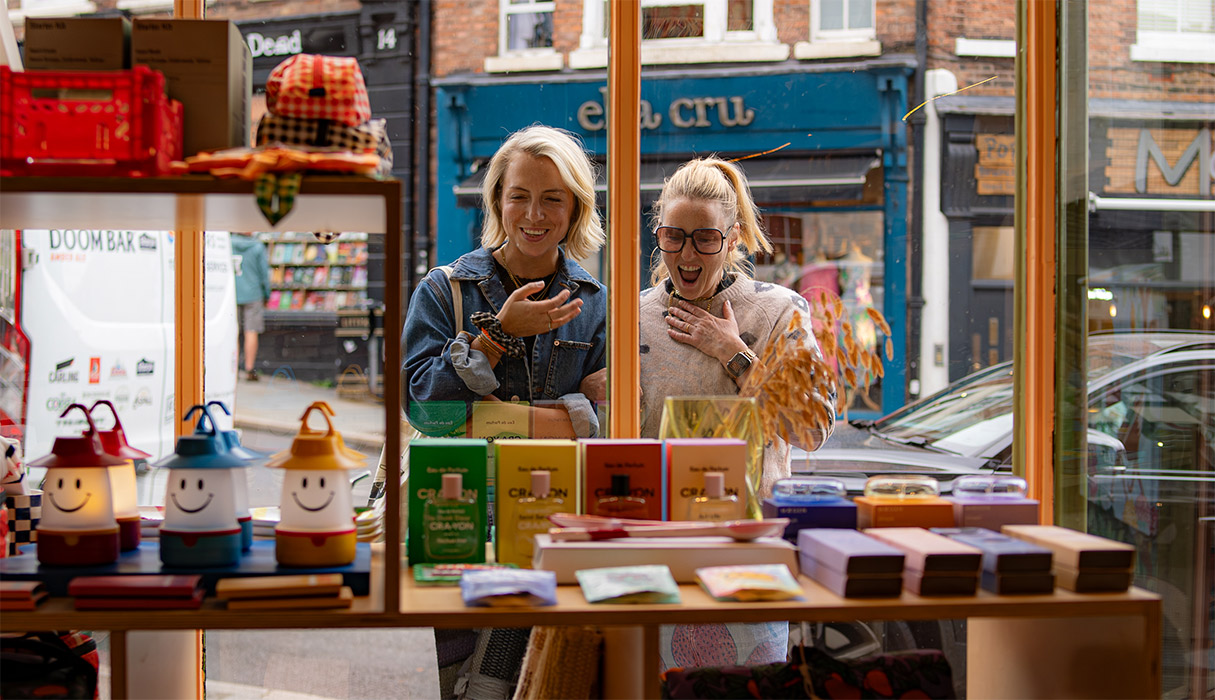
(668,368)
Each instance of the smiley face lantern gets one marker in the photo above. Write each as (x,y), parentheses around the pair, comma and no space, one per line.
(239,479)
(200,527)
(317,524)
(78,526)
(122,479)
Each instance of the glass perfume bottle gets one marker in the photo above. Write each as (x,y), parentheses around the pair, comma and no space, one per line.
(714,503)
(902,487)
(619,503)
(451,522)
(990,487)
(800,490)
(532,511)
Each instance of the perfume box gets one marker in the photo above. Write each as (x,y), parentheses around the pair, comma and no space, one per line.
(1092,580)
(851,564)
(496,420)
(875,511)
(993,513)
(1001,554)
(826,513)
(684,555)
(1041,582)
(688,459)
(930,553)
(439,418)
(515,461)
(933,584)
(641,460)
(1076,550)
(429,460)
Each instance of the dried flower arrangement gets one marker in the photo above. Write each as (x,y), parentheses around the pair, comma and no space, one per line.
(796,387)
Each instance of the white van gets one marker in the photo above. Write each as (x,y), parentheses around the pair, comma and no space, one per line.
(97,308)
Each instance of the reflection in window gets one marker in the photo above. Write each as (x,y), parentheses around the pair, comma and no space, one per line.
(526,25)
(710,20)
(844,16)
(1175,30)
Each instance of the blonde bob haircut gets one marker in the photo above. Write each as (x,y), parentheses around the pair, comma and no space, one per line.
(720,181)
(563,148)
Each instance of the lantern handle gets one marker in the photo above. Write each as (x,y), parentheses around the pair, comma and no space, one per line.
(92,428)
(206,413)
(326,412)
(106,402)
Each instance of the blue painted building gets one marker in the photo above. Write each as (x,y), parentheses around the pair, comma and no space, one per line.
(831,181)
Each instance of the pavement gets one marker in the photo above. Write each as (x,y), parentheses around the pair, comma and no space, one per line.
(275,405)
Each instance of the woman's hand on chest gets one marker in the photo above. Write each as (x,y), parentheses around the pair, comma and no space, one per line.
(716,337)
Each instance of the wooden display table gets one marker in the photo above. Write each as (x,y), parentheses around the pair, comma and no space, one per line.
(1061,645)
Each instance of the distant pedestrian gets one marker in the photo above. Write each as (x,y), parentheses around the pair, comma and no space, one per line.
(252,268)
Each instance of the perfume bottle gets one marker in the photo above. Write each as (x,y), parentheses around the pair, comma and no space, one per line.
(902,487)
(451,522)
(531,513)
(808,490)
(715,504)
(990,487)
(619,503)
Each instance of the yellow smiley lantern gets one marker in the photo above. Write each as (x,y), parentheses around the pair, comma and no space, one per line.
(122,479)
(317,523)
(78,526)
(200,527)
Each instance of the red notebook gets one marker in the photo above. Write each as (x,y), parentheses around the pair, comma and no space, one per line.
(192,602)
(137,586)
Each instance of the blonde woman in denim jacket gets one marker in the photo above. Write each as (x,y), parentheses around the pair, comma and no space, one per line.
(534,324)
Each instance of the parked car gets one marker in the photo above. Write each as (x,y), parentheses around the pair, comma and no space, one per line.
(1151,467)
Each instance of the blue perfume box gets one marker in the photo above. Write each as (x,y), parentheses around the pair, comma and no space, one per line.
(827,513)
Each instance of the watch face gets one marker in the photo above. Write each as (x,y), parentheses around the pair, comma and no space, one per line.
(738,364)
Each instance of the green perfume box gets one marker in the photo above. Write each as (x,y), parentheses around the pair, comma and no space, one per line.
(429,460)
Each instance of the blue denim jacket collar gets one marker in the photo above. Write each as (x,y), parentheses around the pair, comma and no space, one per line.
(478,266)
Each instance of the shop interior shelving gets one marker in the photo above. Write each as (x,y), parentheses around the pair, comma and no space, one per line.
(1059,645)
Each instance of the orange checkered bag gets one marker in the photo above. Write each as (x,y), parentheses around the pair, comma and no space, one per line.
(308,86)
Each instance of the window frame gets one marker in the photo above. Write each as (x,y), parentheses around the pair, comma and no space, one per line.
(1176,46)
(818,34)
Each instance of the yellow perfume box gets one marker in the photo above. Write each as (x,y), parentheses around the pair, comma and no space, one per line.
(687,461)
(516,460)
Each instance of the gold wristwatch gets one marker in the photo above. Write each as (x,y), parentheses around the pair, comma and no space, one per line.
(740,363)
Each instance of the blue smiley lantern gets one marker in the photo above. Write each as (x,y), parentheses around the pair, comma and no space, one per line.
(240,479)
(78,526)
(200,527)
(122,479)
(317,523)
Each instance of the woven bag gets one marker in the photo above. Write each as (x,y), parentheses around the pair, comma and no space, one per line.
(308,86)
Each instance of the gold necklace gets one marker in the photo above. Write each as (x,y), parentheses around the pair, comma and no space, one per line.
(519,285)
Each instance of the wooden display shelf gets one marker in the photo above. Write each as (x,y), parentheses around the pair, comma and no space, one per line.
(325,203)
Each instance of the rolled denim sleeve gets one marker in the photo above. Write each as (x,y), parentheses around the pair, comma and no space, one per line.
(582,415)
(473,367)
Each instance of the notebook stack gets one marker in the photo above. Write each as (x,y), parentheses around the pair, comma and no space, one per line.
(21,595)
(137,592)
(851,564)
(1082,563)
(1010,565)
(936,565)
(293,591)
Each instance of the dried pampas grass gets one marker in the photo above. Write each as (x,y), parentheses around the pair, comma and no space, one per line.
(796,387)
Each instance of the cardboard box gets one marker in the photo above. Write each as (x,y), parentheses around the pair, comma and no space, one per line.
(1076,550)
(687,461)
(515,461)
(77,43)
(684,555)
(1001,554)
(931,553)
(429,460)
(208,68)
(850,552)
(640,459)
(874,511)
(1042,582)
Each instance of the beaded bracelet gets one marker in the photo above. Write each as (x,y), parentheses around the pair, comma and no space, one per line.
(491,329)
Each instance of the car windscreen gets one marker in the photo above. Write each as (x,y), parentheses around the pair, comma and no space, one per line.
(970,412)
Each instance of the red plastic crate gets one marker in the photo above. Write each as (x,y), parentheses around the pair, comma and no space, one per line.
(106,123)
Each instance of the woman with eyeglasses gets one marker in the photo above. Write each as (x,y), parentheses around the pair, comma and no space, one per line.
(703,323)
(705,320)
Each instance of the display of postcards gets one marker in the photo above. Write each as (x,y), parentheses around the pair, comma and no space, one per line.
(314,301)
(358,253)
(311,253)
(320,277)
(289,276)
(278,253)
(359,278)
(275,300)
(297,253)
(276,276)
(331,253)
(339,276)
(297,300)
(340,300)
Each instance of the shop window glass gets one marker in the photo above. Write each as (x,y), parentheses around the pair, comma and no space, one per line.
(842,19)
(993,253)
(1151,340)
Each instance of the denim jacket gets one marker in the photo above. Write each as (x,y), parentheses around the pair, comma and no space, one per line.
(439,367)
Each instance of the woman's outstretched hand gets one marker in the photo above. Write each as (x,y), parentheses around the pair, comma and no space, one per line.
(523,318)
(716,337)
